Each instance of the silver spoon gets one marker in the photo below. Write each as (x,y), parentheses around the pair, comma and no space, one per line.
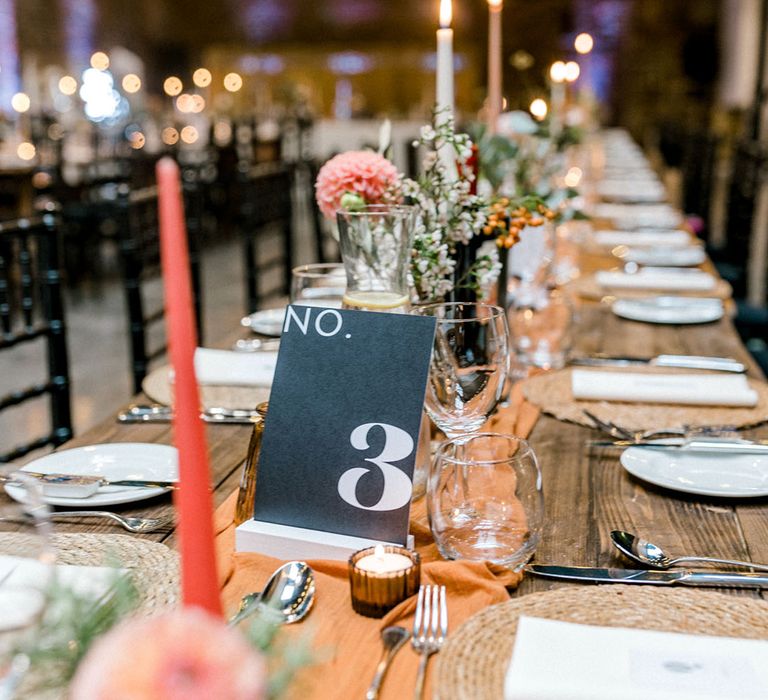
(392,638)
(653,556)
(289,592)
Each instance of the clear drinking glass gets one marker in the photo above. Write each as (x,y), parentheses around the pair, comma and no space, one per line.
(484,499)
(541,328)
(470,361)
(27,559)
(319,284)
(375,246)
(530,259)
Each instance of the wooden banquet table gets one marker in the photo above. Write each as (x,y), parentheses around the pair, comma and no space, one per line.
(587,493)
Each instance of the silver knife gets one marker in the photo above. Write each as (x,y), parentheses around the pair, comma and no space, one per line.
(164,414)
(682,577)
(717,364)
(706,445)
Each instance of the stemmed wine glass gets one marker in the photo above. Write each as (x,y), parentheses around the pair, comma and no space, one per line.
(470,362)
(27,560)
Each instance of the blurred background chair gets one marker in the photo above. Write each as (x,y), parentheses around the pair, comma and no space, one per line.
(31,310)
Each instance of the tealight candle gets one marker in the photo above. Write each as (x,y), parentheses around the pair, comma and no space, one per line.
(380,577)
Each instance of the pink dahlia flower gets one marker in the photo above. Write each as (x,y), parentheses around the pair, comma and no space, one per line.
(364,173)
(181,655)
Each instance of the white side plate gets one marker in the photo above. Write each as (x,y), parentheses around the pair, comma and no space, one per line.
(670,310)
(731,476)
(117,460)
(267,322)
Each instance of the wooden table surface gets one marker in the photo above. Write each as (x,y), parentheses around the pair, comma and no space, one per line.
(587,493)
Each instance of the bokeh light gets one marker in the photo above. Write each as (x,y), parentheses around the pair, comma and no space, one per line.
(26,150)
(100,61)
(20,102)
(172,86)
(572,71)
(137,140)
(131,83)
(189,134)
(557,72)
(67,85)
(233,82)
(202,77)
(170,136)
(539,108)
(583,43)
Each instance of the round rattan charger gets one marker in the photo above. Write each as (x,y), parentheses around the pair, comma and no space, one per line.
(552,393)
(474,660)
(157,386)
(153,566)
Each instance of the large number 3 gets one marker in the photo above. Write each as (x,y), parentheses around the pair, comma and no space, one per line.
(397,486)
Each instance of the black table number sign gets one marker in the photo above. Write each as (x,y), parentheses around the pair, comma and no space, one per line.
(343,425)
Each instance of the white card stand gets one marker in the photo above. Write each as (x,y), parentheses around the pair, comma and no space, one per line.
(286,542)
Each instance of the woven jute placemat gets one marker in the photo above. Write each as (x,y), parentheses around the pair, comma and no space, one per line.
(157,386)
(153,566)
(552,393)
(474,660)
(588,288)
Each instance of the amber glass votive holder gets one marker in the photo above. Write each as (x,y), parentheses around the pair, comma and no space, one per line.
(375,593)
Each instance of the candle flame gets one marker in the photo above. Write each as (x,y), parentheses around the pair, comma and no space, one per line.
(378,551)
(495,4)
(446,13)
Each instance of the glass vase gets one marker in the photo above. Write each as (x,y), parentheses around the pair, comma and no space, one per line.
(375,247)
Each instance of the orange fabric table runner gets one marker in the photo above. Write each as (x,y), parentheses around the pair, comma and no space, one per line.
(348,645)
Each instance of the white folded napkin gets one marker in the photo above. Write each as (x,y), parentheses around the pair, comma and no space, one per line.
(683,281)
(684,389)
(227,368)
(555,660)
(23,582)
(671,238)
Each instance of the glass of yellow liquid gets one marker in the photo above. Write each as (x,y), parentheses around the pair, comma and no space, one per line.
(375,244)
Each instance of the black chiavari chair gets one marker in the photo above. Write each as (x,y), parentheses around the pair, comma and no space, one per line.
(139,243)
(31,308)
(265,223)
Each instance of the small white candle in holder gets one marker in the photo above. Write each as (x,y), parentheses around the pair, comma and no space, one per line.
(383,562)
(380,577)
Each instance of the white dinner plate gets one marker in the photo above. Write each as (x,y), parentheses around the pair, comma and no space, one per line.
(117,460)
(669,310)
(669,257)
(731,476)
(267,322)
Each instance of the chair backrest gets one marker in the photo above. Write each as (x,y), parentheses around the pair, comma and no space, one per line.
(266,228)
(139,242)
(749,162)
(31,308)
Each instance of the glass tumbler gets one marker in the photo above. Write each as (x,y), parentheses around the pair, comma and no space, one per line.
(485,501)
(375,246)
(318,284)
(541,328)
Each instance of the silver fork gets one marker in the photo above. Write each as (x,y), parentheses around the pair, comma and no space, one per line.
(621,433)
(130,523)
(430,627)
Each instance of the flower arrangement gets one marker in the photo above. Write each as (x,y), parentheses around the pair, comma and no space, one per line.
(451,215)
(508,218)
(355,178)
(453,223)
(184,654)
(105,650)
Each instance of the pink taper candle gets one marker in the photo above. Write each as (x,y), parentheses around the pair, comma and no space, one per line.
(495,101)
(194,504)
